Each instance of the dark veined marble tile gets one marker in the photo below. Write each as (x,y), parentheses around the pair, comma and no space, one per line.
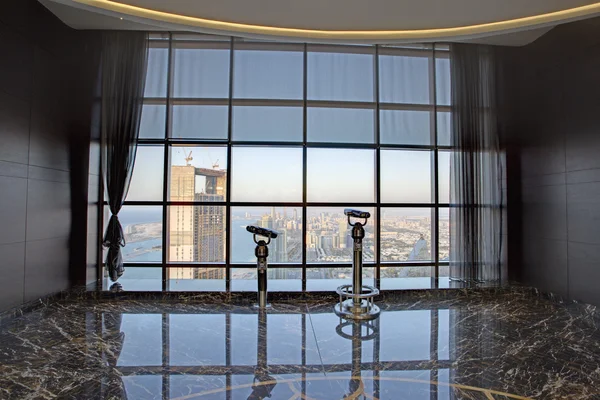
(471,346)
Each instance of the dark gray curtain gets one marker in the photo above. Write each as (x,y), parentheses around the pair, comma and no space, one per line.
(124,63)
(476,238)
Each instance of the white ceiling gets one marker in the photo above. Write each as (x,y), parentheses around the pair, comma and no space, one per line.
(331,15)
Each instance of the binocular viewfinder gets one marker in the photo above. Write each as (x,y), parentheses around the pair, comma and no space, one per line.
(357,213)
(257,230)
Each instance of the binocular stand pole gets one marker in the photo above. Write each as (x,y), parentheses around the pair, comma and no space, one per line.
(262,252)
(359,298)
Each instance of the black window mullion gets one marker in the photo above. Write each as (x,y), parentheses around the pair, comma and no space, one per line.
(377,277)
(229,169)
(304,160)
(165,221)
(436,219)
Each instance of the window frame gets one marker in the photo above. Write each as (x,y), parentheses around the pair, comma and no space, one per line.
(432,52)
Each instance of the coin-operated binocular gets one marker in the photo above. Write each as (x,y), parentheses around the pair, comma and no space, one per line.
(262,253)
(358,303)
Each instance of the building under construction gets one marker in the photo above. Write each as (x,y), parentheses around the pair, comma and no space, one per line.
(197,232)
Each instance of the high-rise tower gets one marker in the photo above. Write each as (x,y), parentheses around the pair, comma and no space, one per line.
(197,233)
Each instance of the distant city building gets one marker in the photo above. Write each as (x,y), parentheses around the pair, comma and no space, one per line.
(343,232)
(197,233)
(420,251)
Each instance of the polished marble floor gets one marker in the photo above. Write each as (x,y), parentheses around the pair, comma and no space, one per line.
(510,346)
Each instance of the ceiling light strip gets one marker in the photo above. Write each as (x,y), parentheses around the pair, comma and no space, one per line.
(510,25)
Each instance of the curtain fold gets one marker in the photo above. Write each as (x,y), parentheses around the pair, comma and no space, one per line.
(124,64)
(476,238)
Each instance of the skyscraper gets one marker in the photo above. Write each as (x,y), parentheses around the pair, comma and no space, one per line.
(420,250)
(343,231)
(181,218)
(197,233)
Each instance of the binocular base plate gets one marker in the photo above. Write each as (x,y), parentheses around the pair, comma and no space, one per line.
(357,306)
(365,310)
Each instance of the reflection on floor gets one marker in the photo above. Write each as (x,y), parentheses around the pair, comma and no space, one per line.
(510,346)
(155,284)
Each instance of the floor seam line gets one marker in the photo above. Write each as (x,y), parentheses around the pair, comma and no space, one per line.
(312,327)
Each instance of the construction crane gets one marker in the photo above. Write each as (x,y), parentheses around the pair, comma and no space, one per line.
(188,158)
(215,165)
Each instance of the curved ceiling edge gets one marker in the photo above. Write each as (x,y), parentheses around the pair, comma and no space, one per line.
(181,22)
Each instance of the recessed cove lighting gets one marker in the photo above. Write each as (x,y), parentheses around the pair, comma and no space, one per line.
(216,26)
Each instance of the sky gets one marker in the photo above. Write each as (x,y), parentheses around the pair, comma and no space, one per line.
(275,173)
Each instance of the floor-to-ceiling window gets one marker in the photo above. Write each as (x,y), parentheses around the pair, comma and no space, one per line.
(238,132)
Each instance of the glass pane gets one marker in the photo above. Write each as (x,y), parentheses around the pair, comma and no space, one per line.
(406,176)
(184,347)
(444,128)
(152,125)
(444,239)
(257,123)
(444,176)
(266,174)
(406,234)
(341,175)
(196,279)
(146,279)
(200,122)
(340,125)
(286,248)
(405,127)
(442,81)
(201,73)
(197,233)
(407,277)
(340,76)
(198,173)
(328,235)
(263,74)
(147,179)
(141,335)
(156,75)
(280,279)
(404,79)
(142,226)
(328,279)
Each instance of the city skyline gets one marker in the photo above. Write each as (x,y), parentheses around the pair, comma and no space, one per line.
(404,238)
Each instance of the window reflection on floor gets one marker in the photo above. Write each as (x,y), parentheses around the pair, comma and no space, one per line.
(176,355)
